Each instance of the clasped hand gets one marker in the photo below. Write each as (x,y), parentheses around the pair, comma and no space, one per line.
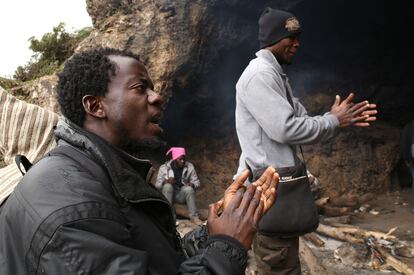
(239,212)
(353,114)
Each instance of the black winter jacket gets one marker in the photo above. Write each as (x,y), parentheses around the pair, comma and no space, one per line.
(86,208)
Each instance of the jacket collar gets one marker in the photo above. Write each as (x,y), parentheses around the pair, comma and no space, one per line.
(271,59)
(129,175)
(169,163)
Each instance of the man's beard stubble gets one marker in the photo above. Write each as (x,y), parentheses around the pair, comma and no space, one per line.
(143,148)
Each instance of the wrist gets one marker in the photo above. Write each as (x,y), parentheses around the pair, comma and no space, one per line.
(227,239)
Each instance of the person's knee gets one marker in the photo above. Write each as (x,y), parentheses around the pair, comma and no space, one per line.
(188,190)
(167,188)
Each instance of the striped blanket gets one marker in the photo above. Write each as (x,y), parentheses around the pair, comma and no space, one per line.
(24,129)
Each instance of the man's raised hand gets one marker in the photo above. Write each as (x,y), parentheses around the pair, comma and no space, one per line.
(267,182)
(239,218)
(353,114)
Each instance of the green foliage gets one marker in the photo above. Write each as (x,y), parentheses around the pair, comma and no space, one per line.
(50,52)
(8,84)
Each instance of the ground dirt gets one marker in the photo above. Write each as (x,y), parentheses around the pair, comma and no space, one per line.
(394,210)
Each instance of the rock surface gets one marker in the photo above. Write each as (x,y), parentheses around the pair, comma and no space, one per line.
(357,160)
(177,40)
(41,92)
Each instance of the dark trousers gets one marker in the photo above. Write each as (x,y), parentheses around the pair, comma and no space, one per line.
(276,255)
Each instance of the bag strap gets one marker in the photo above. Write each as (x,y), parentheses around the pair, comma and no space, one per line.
(21,160)
(290,100)
(303,159)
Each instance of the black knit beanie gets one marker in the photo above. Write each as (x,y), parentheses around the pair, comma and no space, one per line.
(275,25)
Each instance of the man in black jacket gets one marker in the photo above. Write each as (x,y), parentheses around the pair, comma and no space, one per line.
(87,207)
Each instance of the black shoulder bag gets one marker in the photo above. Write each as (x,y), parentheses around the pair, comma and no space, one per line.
(294,212)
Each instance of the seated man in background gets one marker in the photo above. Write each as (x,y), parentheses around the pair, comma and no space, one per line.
(177,179)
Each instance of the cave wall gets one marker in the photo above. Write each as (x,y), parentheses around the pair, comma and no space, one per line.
(177,40)
(357,160)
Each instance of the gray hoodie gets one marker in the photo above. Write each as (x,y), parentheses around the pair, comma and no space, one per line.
(268,128)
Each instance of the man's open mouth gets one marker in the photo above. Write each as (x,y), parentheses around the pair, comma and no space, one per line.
(156,118)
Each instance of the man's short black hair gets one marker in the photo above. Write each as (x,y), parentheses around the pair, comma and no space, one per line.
(86,73)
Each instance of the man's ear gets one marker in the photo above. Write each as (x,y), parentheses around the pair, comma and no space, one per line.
(93,106)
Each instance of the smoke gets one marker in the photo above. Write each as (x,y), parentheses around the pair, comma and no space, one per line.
(206,107)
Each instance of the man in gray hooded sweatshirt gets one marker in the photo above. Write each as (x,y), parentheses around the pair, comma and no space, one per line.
(271,123)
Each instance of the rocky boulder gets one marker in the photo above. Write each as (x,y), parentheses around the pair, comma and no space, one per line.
(41,92)
(177,40)
(357,160)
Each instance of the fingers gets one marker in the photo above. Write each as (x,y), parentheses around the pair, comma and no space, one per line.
(369,112)
(270,195)
(234,203)
(359,107)
(270,200)
(258,213)
(238,182)
(364,105)
(267,181)
(362,124)
(266,194)
(363,113)
(241,179)
(265,178)
(370,119)
(213,210)
(363,121)
(270,171)
(274,181)
(337,100)
(364,118)
(248,196)
(348,99)
(358,119)
(253,203)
